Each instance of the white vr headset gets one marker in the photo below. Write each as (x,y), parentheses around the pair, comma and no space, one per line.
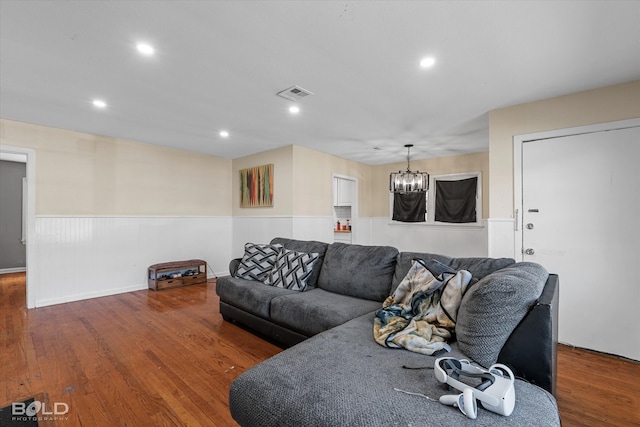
(495,392)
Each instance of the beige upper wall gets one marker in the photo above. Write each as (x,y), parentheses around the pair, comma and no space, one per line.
(282,160)
(312,185)
(608,104)
(83,174)
(477,162)
(302,181)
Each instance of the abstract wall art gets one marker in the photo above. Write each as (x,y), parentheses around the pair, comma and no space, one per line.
(256,187)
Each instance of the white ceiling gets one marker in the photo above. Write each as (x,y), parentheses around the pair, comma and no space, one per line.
(219,64)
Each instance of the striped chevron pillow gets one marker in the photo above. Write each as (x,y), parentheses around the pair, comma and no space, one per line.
(258,260)
(292,270)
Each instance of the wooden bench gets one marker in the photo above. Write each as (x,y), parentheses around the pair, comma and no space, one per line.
(177,273)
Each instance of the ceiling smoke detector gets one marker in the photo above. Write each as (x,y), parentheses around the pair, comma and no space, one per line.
(294,93)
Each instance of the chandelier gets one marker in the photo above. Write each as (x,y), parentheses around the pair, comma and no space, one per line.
(409,181)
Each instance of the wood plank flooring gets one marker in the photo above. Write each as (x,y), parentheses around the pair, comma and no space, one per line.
(597,390)
(142,358)
(167,358)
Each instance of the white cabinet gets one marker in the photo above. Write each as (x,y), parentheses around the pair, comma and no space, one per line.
(342,192)
(344,200)
(342,237)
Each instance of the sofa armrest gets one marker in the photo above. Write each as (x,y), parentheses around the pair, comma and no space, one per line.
(531,350)
(233,266)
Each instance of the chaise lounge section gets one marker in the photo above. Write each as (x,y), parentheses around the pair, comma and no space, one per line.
(336,374)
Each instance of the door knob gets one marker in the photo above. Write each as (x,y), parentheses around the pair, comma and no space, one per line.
(529,251)
(530,226)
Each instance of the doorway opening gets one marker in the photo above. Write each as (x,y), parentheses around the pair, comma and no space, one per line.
(345,208)
(28,156)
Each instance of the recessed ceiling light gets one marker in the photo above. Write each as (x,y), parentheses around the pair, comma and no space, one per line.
(294,109)
(99,103)
(427,62)
(224,134)
(145,49)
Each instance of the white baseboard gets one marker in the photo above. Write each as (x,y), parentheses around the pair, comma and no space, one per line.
(108,292)
(86,295)
(13,270)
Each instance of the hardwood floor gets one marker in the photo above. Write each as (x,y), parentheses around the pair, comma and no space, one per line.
(166,358)
(136,359)
(595,389)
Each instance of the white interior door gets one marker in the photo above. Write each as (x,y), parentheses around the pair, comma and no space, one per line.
(581,220)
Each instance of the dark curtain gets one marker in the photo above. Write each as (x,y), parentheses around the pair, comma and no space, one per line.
(456,200)
(409,207)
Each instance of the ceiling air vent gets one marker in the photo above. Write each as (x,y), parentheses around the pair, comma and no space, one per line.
(294,93)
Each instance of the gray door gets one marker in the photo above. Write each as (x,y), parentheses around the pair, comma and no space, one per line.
(581,219)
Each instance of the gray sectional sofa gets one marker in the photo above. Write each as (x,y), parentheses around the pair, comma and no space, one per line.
(335,374)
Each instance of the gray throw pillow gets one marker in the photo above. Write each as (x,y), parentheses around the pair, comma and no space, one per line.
(292,270)
(492,308)
(309,246)
(480,267)
(258,261)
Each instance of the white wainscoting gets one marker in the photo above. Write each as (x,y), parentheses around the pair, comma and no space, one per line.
(258,229)
(262,229)
(457,241)
(318,228)
(501,238)
(87,257)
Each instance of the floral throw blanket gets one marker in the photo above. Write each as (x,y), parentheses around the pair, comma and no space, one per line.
(421,314)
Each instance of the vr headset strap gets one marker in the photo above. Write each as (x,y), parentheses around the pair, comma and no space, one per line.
(457,371)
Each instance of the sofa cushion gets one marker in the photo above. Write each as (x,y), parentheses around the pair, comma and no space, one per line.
(249,295)
(493,307)
(358,271)
(310,246)
(258,260)
(292,270)
(404,262)
(317,310)
(478,267)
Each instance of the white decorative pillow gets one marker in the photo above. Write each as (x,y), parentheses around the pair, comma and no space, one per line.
(258,261)
(292,270)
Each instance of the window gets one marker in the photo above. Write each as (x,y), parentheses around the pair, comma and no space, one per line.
(456,200)
(452,199)
(409,207)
